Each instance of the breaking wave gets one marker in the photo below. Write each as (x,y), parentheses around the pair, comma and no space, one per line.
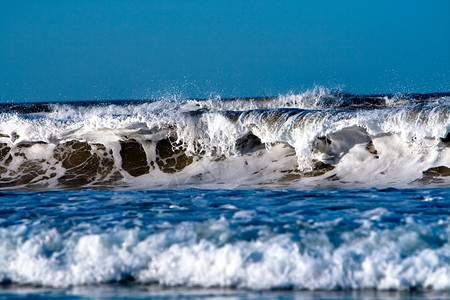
(321,240)
(315,139)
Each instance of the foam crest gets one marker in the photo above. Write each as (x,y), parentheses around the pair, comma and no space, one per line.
(314,134)
(409,256)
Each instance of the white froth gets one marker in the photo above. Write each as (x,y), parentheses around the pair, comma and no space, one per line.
(368,258)
(407,139)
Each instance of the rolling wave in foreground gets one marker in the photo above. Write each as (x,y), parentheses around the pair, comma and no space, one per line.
(386,239)
(318,191)
(317,139)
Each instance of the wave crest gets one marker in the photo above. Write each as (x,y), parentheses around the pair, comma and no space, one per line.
(317,138)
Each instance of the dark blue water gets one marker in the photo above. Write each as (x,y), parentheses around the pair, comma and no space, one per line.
(235,243)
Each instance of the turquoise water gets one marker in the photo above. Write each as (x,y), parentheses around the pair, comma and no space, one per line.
(71,51)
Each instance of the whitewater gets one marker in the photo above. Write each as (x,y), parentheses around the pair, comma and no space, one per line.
(317,139)
(321,192)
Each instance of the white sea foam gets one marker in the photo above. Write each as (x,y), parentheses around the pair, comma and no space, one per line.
(390,145)
(367,258)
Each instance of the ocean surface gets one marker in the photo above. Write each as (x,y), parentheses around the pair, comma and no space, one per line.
(314,195)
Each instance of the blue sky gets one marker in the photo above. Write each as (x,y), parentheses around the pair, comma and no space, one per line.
(85,50)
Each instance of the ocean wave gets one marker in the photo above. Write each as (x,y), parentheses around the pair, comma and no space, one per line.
(409,256)
(315,139)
